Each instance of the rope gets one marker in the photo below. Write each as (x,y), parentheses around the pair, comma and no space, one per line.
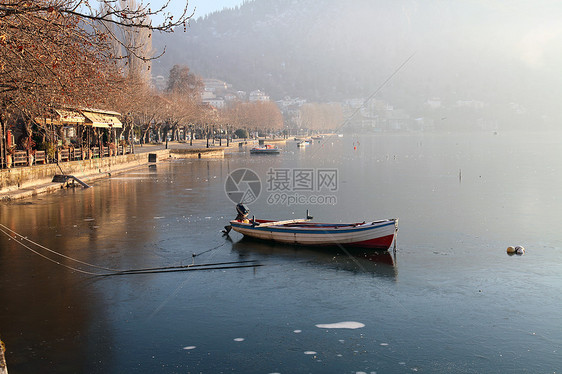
(48,258)
(165,269)
(51,251)
(209,250)
(376,91)
(379,88)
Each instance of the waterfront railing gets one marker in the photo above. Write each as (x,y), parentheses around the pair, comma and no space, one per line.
(22,158)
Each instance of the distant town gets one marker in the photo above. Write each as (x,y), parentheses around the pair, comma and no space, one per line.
(351,115)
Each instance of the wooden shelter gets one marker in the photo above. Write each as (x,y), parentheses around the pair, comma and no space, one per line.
(77,121)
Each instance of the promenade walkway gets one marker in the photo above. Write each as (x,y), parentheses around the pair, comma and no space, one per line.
(45,185)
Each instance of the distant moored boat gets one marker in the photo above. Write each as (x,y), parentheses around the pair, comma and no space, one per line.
(268,149)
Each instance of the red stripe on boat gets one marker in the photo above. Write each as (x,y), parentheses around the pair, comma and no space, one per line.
(381,243)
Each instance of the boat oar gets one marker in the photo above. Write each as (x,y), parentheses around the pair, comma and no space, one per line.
(279,223)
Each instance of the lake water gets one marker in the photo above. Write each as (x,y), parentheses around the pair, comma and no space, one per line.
(450,300)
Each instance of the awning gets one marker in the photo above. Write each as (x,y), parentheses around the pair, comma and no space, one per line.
(68,117)
(102,120)
(63,117)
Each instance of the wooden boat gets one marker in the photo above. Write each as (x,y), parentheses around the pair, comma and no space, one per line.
(374,234)
(267,149)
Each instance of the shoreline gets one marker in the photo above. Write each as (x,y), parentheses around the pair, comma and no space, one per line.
(27,182)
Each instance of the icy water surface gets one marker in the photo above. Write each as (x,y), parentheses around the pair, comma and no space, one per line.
(449,301)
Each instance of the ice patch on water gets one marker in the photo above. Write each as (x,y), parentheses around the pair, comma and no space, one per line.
(341,325)
(297,331)
(239,339)
(189,347)
(309,352)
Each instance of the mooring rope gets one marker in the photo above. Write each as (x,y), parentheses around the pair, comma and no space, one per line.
(18,238)
(205,251)
(46,257)
(51,251)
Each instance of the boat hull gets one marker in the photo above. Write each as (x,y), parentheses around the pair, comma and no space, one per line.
(375,235)
(264,151)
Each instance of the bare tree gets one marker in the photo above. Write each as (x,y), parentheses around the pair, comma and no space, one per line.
(256,116)
(57,53)
(182,82)
(51,38)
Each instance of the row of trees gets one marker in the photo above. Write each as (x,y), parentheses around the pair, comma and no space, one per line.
(179,109)
(64,53)
(67,54)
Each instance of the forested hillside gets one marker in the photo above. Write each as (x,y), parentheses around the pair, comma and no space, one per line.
(497,53)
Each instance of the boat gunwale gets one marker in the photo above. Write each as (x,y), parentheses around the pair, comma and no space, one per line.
(307,228)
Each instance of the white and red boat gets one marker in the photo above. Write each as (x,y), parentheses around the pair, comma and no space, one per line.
(268,149)
(374,234)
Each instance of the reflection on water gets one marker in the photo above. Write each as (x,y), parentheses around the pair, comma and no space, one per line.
(460,304)
(378,263)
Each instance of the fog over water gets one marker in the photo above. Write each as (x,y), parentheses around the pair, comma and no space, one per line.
(482,173)
(494,62)
(450,300)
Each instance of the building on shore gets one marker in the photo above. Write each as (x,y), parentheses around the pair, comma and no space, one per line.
(63,134)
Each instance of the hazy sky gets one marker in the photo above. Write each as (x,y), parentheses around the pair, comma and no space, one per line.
(208,6)
(202,7)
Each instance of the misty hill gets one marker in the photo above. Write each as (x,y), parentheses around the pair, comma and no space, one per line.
(501,55)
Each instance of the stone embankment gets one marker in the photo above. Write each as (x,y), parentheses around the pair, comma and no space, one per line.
(23,182)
